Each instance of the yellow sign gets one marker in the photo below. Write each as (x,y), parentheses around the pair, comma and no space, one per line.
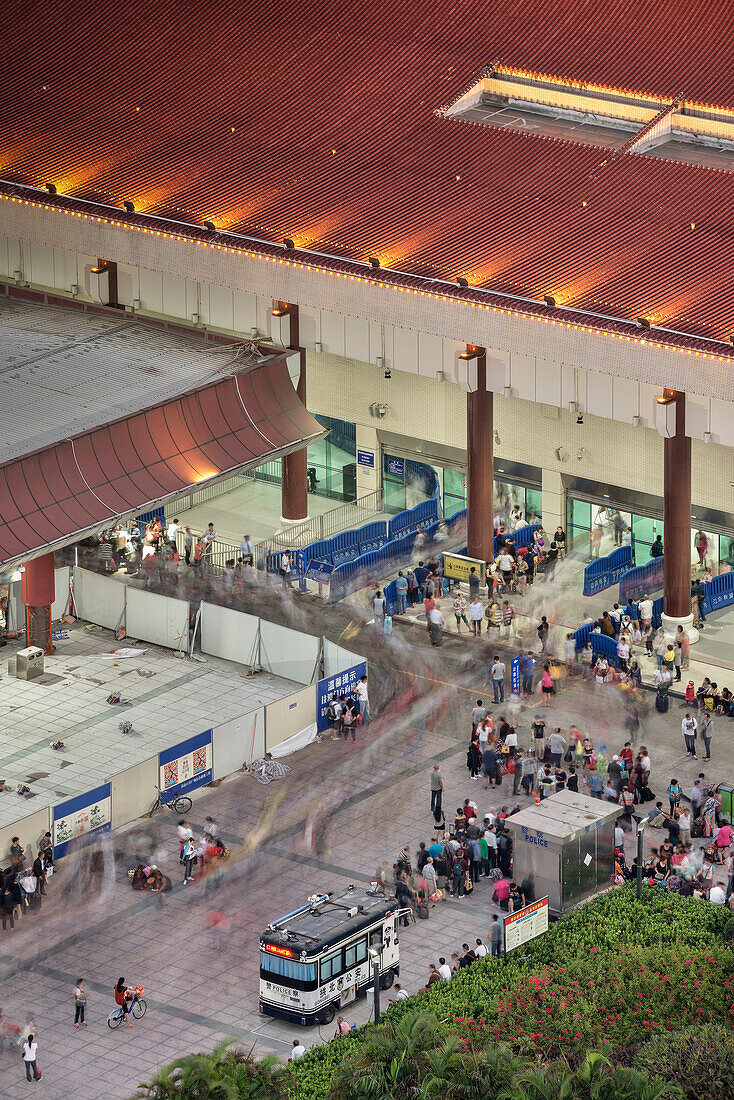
(458,567)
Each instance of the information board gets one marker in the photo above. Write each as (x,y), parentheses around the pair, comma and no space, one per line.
(395,466)
(366,458)
(319,571)
(186,765)
(515,675)
(526,924)
(81,816)
(343,683)
(458,567)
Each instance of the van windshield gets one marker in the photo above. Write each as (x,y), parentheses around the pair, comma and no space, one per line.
(288,968)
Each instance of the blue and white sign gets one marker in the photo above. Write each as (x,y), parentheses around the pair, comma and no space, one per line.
(83,816)
(186,765)
(319,571)
(343,683)
(366,458)
(515,675)
(395,466)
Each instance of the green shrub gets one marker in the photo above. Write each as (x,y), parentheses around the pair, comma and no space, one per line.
(728,930)
(700,1060)
(223,1074)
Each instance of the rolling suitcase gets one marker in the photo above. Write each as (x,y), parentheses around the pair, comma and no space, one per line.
(388,625)
(661,702)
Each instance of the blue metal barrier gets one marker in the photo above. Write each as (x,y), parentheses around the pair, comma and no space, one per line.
(719,593)
(604,572)
(344,547)
(391,598)
(657,612)
(640,580)
(372,536)
(600,643)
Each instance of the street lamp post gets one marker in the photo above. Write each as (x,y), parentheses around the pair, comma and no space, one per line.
(375,956)
(640,833)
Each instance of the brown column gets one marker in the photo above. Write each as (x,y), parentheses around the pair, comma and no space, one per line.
(37,593)
(294,483)
(479,428)
(677,514)
(111,268)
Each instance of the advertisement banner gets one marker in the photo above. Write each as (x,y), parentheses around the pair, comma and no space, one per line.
(84,815)
(458,567)
(515,675)
(526,924)
(341,684)
(185,766)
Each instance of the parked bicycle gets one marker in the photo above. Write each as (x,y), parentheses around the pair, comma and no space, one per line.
(138,1007)
(179,804)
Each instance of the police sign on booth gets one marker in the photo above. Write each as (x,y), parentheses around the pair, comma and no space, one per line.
(342,683)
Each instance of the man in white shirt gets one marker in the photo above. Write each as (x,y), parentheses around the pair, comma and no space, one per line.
(645,609)
(481,949)
(298,1050)
(476,614)
(444,970)
(435,625)
(505,563)
(689,728)
(717,895)
(247,550)
(173,530)
(209,536)
(360,691)
(400,994)
(623,652)
(498,680)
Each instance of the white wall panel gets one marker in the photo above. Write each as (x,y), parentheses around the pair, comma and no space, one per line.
(332,332)
(173,295)
(430,355)
(221,308)
(547,382)
(357,339)
(151,291)
(648,395)
(61,589)
(697,415)
(497,371)
(64,269)
(288,653)
(523,377)
(337,659)
(376,343)
(405,350)
(229,634)
(238,742)
(722,423)
(625,399)
(40,265)
(309,325)
(99,599)
(264,314)
(158,619)
(245,311)
(598,395)
(128,284)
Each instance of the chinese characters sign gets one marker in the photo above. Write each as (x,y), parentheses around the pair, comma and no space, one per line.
(343,683)
(82,816)
(186,765)
(526,924)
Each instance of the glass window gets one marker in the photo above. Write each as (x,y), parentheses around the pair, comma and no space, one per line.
(287,968)
(645,529)
(533,504)
(356,953)
(331,966)
(376,938)
(579,513)
(726,549)
(704,549)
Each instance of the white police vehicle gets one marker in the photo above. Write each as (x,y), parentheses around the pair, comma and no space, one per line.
(319,958)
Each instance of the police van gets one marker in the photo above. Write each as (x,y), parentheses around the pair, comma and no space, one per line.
(320,957)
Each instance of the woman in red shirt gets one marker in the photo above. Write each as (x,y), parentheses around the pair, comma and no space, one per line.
(123,997)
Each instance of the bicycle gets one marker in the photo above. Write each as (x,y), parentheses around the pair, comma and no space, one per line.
(179,804)
(138,1007)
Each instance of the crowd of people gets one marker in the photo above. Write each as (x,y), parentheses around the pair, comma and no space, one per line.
(23,882)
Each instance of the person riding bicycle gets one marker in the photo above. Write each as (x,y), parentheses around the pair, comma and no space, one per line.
(124,998)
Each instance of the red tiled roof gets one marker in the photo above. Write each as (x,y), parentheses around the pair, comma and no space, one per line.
(78,485)
(318,122)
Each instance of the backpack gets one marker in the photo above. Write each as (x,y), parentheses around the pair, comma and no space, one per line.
(422,911)
(331,713)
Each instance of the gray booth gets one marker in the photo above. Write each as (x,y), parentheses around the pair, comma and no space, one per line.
(564,847)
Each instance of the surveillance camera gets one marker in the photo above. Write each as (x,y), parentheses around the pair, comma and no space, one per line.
(580,418)
(387,373)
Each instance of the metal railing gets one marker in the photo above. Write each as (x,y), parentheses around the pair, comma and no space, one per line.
(352,514)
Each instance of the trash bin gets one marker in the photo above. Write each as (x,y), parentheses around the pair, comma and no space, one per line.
(727,802)
(29,663)
(349,481)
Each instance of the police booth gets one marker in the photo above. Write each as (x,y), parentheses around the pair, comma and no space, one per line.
(564,847)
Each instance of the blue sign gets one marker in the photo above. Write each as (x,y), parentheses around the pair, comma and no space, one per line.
(366,458)
(395,466)
(319,571)
(532,837)
(185,766)
(81,817)
(342,683)
(515,675)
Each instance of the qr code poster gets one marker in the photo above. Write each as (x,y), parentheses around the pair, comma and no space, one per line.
(190,767)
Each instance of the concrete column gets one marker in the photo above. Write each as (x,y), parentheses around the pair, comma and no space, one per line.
(369,478)
(294,482)
(554,501)
(479,426)
(677,515)
(37,590)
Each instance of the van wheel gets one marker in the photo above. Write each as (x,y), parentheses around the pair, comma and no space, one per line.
(387,979)
(327,1015)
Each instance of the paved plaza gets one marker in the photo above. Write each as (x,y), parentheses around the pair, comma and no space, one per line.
(343,810)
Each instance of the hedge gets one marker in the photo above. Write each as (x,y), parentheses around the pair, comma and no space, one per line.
(614,975)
